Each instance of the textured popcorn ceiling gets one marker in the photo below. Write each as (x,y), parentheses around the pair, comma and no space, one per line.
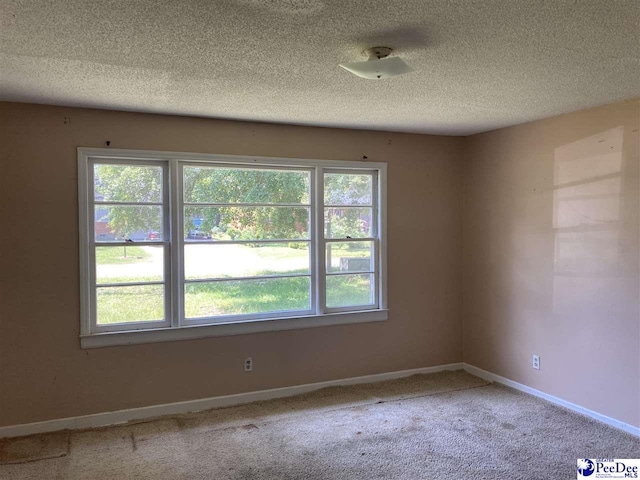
(480,65)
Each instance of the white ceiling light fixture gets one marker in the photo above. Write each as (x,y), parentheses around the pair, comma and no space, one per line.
(379,65)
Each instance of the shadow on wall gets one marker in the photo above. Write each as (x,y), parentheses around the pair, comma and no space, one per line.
(589,269)
(587,206)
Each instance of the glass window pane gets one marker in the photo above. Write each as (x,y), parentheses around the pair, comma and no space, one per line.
(245,185)
(140,303)
(348,222)
(246,223)
(349,290)
(118,223)
(348,189)
(350,257)
(129,263)
(246,296)
(245,260)
(127,183)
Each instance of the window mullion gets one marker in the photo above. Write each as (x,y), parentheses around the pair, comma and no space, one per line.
(320,250)
(176,271)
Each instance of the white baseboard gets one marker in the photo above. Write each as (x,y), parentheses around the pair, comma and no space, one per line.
(492,377)
(141,413)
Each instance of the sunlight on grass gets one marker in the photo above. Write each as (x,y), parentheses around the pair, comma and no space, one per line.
(120,255)
(234,297)
(142,264)
(349,290)
(227,261)
(141,303)
(246,296)
(279,252)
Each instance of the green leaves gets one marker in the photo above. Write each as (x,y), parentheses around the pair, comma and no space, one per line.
(128,183)
(120,188)
(350,195)
(347,189)
(237,187)
(249,203)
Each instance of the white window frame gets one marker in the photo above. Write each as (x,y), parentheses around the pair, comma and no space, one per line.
(175,327)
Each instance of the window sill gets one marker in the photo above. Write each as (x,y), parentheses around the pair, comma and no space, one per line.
(134,337)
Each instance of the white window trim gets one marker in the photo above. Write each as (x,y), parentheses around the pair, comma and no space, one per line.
(170,330)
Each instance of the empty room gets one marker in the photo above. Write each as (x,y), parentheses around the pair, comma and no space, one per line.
(319,239)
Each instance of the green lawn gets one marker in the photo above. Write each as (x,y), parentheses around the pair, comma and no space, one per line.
(121,255)
(251,296)
(145,303)
(275,253)
(139,303)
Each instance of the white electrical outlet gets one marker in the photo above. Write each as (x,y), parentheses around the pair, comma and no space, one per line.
(536,362)
(248,364)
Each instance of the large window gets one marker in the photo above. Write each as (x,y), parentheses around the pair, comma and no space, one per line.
(229,245)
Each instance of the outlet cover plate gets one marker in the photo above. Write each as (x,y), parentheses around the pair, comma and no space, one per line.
(536,362)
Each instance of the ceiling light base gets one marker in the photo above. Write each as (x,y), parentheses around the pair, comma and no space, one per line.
(376,53)
(379,65)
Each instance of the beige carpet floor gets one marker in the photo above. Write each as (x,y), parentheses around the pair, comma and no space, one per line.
(448,425)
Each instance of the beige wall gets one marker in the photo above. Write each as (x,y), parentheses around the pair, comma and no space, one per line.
(551,263)
(551,256)
(45,375)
